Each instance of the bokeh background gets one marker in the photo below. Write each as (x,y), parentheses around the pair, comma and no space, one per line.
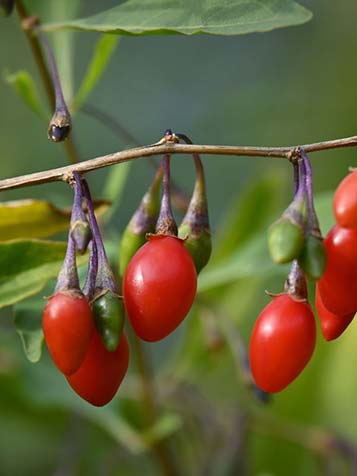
(290,86)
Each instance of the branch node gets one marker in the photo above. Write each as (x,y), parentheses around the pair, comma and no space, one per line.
(30,23)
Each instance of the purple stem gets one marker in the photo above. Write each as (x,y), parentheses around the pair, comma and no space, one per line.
(296,177)
(60,105)
(90,284)
(68,276)
(77,210)
(166,224)
(105,278)
(312,217)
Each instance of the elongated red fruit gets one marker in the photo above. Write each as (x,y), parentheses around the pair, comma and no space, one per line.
(67,326)
(338,285)
(332,325)
(345,202)
(100,375)
(282,343)
(159,287)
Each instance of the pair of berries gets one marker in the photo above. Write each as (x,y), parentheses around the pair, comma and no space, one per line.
(76,347)
(336,291)
(84,330)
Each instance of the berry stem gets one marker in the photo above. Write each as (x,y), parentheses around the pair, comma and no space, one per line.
(68,276)
(144,216)
(60,104)
(295,284)
(60,123)
(90,284)
(296,177)
(105,278)
(166,224)
(312,220)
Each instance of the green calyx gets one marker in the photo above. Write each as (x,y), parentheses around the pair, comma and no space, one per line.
(285,240)
(108,312)
(313,257)
(198,244)
(142,222)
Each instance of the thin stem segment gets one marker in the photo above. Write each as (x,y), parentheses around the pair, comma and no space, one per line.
(62,173)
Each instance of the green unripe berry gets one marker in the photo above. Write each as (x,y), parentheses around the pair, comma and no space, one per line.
(108,313)
(313,257)
(285,240)
(198,245)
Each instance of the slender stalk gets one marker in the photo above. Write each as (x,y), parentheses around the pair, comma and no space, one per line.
(160,448)
(62,173)
(166,224)
(45,76)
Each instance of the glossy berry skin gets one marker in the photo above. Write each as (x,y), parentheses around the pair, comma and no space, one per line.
(159,287)
(332,326)
(100,375)
(338,285)
(68,326)
(345,202)
(282,343)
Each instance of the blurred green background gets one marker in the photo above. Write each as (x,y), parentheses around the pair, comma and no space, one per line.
(290,86)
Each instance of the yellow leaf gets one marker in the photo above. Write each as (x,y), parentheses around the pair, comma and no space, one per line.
(36,218)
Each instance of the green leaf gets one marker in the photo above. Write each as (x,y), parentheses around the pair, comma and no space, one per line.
(28,324)
(36,218)
(103,51)
(249,260)
(26,266)
(25,87)
(187,17)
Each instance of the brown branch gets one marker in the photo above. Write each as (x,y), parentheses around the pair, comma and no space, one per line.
(62,173)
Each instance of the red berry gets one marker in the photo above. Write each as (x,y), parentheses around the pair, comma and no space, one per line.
(345,202)
(282,343)
(159,287)
(338,285)
(332,325)
(99,377)
(68,326)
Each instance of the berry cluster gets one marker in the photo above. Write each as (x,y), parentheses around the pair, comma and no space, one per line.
(284,335)
(336,292)
(83,328)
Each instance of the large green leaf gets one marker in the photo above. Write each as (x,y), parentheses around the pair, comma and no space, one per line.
(103,51)
(217,17)
(26,266)
(36,218)
(25,87)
